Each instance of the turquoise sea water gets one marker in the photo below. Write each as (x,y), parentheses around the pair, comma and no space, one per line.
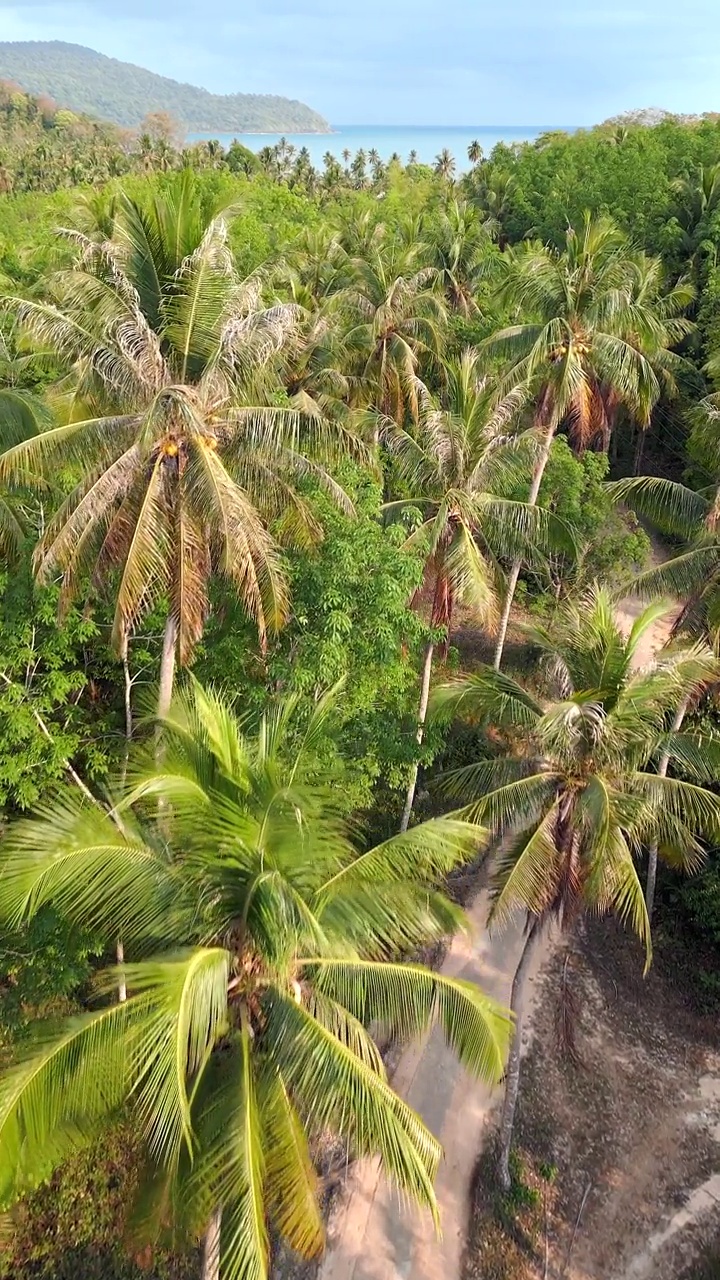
(428,141)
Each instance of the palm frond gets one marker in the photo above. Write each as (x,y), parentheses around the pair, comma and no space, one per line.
(407,999)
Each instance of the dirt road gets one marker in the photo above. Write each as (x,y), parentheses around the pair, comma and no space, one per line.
(374,1237)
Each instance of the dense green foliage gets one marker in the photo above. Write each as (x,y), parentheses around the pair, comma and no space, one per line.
(92,84)
(295,429)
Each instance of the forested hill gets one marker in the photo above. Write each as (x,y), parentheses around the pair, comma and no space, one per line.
(89,82)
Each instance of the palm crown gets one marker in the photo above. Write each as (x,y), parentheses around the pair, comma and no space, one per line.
(462,249)
(599,330)
(396,316)
(460,461)
(182,462)
(266,944)
(576,797)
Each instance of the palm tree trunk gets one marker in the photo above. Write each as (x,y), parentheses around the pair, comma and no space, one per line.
(120,950)
(128,697)
(639,450)
(167,667)
(422,714)
(515,571)
(653,850)
(512,1074)
(211,1248)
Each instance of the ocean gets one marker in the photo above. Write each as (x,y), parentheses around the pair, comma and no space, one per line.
(426,140)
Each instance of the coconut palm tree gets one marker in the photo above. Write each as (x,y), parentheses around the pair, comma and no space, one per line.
(182,463)
(459,464)
(462,252)
(698,197)
(318,260)
(266,941)
(594,341)
(445,165)
(576,795)
(493,191)
(692,575)
(395,319)
(475,152)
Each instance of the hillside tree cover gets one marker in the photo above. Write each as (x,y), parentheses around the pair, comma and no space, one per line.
(89,83)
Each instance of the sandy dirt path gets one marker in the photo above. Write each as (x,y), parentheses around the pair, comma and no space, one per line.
(372,1236)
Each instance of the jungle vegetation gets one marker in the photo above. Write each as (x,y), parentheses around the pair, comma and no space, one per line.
(318,492)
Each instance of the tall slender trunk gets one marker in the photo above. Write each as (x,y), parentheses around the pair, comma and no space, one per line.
(422,714)
(119,949)
(515,571)
(639,450)
(167,667)
(127,678)
(128,696)
(512,1074)
(211,1248)
(653,850)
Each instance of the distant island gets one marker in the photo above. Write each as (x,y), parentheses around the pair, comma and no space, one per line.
(89,82)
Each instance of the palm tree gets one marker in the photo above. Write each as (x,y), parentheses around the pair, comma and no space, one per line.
(692,575)
(493,192)
(413,157)
(396,316)
(593,342)
(265,938)
(475,152)
(458,465)
(445,165)
(575,797)
(182,463)
(462,250)
(318,261)
(698,197)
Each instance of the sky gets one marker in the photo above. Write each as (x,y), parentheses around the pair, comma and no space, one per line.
(411,62)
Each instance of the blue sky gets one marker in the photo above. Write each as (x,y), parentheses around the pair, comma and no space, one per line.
(411,61)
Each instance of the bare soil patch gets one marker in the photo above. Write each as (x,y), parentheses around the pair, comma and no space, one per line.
(618,1160)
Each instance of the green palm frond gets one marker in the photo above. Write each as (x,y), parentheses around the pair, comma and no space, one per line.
(293,1187)
(320,1068)
(428,850)
(682,577)
(527,872)
(100,876)
(268,948)
(53,1100)
(487,694)
(406,999)
(672,507)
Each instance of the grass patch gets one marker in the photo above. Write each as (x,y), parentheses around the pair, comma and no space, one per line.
(507,1236)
